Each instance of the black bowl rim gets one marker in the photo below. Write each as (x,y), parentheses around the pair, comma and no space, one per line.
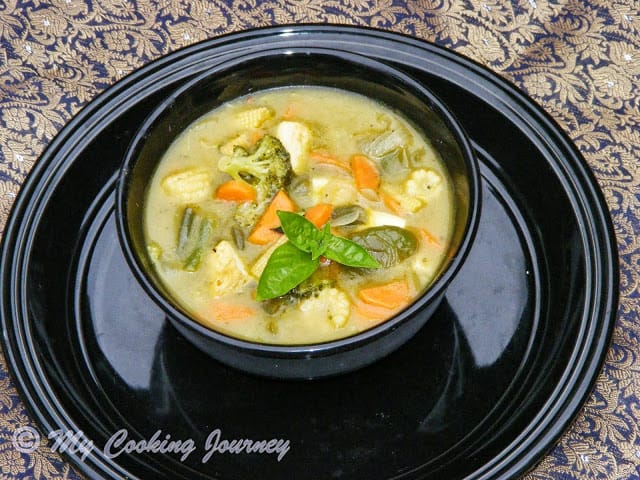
(433,293)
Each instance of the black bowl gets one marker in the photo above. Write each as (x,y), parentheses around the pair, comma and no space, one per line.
(288,67)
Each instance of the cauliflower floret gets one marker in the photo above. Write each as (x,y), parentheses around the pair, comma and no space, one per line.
(416,191)
(337,191)
(295,137)
(226,270)
(188,186)
(422,184)
(330,303)
(406,203)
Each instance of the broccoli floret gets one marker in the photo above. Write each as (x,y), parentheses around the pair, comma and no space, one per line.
(247,214)
(268,169)
(307,289)
(311,287)
(316,296)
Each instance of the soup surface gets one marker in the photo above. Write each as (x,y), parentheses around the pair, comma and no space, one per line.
(368,214)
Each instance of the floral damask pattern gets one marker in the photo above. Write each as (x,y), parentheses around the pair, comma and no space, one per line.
(579,59)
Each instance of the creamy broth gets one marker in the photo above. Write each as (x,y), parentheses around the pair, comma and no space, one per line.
(355,164)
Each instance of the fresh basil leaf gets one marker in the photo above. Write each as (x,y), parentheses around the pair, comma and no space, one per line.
(326,237)
(302,233)
(326,233)
(349,253)
(295,261)
(317,250)
(286,268)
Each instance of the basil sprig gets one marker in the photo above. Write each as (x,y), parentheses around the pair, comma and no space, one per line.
(286,268)
(296,260)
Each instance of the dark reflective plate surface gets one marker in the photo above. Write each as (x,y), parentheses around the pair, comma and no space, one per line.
(483,391)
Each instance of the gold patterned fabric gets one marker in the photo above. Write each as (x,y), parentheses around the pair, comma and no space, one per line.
(579,59)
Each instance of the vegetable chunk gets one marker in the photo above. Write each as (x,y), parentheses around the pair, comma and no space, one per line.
(422,184)
(265,229)
(254,117)
(267,169)
(193,238)
(230,312)
(226,270)
(188,186)
(419,188)
(330,303)
(319,214)
(335,190)
(365,173)
(236,191)
(296,138)
(391,295)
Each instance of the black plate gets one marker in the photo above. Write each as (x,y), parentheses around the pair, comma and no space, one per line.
(483,391)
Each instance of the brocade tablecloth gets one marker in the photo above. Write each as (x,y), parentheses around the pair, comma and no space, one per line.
(579,59)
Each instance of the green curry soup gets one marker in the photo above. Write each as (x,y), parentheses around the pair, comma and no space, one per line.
(298,215)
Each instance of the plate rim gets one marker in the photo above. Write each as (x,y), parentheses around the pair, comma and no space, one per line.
(23,373)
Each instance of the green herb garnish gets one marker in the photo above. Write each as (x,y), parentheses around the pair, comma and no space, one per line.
(296,260)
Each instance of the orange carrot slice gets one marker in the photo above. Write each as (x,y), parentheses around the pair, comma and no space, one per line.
(372,312)
(429,237)
(392,204)
(365,173)
(263,232)
(236,191)
(322,157)
(390,295)
(319,214)
(231,312)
